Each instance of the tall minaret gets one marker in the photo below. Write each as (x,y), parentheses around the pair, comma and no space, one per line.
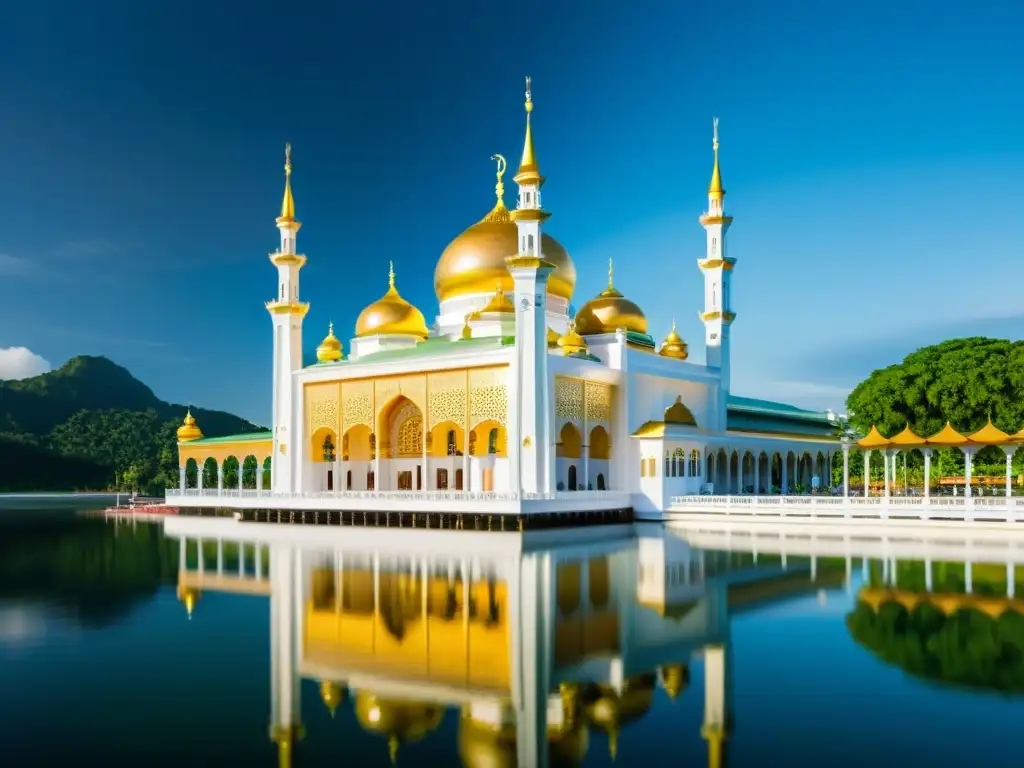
(717,268)
(287,313)
(531,444)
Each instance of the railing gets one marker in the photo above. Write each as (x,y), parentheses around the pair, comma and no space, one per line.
(173,494)
(1008,508)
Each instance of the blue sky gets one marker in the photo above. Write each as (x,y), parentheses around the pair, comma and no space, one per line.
(872,156)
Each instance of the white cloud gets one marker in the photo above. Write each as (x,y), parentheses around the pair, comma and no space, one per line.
(13,266)
(21,363)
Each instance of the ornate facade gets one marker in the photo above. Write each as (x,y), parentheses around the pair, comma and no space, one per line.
(505,393)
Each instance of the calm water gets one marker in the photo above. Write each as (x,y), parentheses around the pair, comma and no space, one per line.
(115,652)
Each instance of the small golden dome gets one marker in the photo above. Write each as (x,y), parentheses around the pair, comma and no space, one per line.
(391,314)
(500,303)
(673,345)
(399,721)
(482,746)
(475,260)
(330,348)
(188,430)
(188,597)
(610,711)
(609,311)
(572,343)
(332,695)
(674,678)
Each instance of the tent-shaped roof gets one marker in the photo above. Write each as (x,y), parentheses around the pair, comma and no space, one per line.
(907,438)
(872,440)
(947,436)
(990,434)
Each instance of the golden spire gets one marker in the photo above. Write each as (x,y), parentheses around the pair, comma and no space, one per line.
(288,203)
(529,172)
(610,290)
(715,189)
(330,348)
(391,276)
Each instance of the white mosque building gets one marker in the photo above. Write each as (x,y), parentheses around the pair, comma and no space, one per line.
(505,400)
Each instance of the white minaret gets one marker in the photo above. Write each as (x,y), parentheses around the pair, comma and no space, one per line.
(531,443)
(717,268)
(287,313)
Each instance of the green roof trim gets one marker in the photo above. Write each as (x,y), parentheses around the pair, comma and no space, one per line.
(433,346)
(749,414)
(770,408)
(249,437)
(643,339)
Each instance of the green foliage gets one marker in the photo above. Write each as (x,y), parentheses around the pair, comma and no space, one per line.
(90,425)
(967,648)
(962,381)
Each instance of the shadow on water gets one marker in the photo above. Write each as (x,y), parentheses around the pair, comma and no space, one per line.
(83,567)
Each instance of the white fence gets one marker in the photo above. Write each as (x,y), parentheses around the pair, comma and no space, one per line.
(415,501)
(966,508)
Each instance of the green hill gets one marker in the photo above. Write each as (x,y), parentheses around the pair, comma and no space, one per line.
(90,422)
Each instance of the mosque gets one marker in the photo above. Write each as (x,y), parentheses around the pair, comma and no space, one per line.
(505,394)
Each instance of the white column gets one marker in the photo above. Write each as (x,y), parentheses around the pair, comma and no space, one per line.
(199,556)
(199,477)
(846,472)
(928,574)
(241,559)
(181,478)
(259,478)
(887,459)
(927,472)
(585,452)
(968,455)
(220,475)
(530,275)
(466,485)
(1009,471)
(284,643)
(531,599)
(427,483)
(715,726)
(181,554)
(220,557)
(241,474)
(867,474)
(784,464)
(258,557)
(969,577)
(1011,580)
(757,473)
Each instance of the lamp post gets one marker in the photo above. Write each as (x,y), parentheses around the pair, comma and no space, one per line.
(845,441)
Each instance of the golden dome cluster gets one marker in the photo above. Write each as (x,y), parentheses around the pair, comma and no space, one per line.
(189,430)
(391,314)
(572,343)
(329,350)
(609,311)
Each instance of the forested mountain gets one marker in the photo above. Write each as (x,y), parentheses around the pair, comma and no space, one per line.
(90,424)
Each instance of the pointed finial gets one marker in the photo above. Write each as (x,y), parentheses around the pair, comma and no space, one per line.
(528,172)
(330,327)
(288,203)
(499,188)
(715,190)
(610,271)
(391,275)
(673,323)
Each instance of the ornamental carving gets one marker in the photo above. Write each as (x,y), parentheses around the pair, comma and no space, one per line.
(358,410)
(599,401)
(410,434)
(323,413)
(448,405)
(487,404)
(569,399)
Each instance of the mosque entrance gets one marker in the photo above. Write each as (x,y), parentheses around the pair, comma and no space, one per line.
(405,480)
(442,479)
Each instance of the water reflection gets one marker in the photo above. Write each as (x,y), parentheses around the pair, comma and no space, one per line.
(535,647)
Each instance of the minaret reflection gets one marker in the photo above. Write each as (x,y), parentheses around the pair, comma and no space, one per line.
(536,650)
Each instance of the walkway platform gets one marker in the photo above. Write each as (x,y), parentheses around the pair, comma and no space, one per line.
(817,509)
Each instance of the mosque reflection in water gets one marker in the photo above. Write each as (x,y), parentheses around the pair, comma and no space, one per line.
(536,648)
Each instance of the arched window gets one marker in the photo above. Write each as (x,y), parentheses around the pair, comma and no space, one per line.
(652,467)
(572,477)
(694,463)
(714,245)
(643,467)
(492,441)
(600,481)
(369,480)
(714,294)
(529,244)
(348,480)
(451,442)
(668,465)
(328,449)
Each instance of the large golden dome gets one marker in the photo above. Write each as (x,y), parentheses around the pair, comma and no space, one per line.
(609,311)
(474,262)
(391,314)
